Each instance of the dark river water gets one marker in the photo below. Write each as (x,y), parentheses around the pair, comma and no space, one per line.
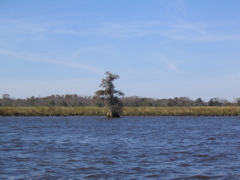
(125,148)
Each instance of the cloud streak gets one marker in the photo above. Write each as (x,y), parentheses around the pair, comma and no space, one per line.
(177,30)
(184,30)
(57,61)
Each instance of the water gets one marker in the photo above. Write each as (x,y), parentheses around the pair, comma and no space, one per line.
(125,148)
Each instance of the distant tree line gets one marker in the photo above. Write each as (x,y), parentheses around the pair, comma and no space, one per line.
(135,101)
(74,100)
(71,100)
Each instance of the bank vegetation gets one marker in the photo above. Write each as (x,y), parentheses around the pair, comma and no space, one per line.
(127,111)
(75,105)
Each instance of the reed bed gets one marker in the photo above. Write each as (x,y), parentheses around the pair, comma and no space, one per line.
(127,111)
(52,111)
(181,111)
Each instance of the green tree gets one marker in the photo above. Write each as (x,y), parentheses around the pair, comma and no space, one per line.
(238,102)
(214,102)
(210,103)
(63,103)
(200,102)
(6,100)
(51,103)
(109,95)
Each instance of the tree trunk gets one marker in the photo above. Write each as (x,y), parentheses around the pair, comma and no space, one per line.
(112,114)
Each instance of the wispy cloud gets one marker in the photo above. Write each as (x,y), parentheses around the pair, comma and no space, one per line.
(202,32)
(22,56)
(27,26)
(176,9)
(178,29)
(34,28)
(128,29)
(80,66)
(58,61)
(164,63)
(183,28)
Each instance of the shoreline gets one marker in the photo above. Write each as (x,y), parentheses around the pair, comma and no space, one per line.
(127,111)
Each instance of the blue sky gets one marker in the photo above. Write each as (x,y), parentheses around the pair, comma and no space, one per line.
(159,48)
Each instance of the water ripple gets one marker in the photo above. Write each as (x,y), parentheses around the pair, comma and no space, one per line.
(126,148)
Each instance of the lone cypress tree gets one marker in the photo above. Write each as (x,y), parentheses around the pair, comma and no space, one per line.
(109,95)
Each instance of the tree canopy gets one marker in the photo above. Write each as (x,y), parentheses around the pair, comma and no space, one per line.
(109,95)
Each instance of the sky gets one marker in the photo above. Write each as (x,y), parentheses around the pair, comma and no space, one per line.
(159,48)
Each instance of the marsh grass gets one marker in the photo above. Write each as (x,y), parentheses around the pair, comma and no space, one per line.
(51,111)
(182,111)
(127,111)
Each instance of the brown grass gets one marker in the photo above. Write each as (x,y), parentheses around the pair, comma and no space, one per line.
(127,111)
